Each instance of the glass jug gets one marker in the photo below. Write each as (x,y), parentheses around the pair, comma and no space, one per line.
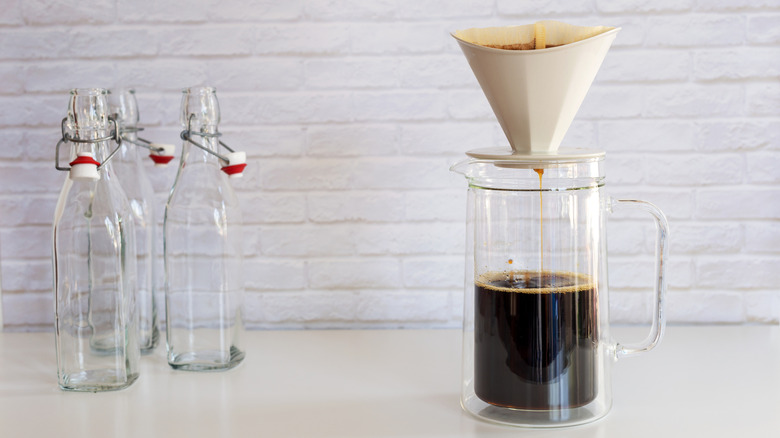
(537,350)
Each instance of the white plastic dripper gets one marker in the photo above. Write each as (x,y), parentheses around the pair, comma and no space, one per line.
(535,94)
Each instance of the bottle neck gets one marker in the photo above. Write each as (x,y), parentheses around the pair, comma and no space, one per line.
(194,154)
(103,150)
(197,167)
(200,115)
(89,143)
(89,126)
(128,151)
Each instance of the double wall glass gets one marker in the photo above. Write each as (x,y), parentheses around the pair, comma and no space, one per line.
(537,347)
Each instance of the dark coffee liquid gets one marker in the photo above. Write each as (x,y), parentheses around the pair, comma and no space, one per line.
(535,339)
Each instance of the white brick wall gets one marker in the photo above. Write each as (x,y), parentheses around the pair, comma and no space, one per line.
(352,111)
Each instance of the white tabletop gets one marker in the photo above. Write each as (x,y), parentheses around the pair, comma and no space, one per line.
(715,381)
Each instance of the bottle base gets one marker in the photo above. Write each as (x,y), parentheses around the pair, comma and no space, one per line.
(206,360)
(149,342)
(96,381)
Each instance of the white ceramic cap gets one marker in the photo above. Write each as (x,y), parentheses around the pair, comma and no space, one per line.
(84,168)
(162,154)
(236,164)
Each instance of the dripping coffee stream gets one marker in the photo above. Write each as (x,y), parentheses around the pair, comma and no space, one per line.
(541,222)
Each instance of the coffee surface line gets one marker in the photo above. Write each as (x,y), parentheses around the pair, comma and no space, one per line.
(495,280)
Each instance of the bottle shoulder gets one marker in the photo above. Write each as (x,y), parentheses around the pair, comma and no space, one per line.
(132,175)
(103,194)
(202,183)
(96,203)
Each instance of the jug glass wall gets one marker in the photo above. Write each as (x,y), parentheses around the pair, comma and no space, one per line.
(537,348)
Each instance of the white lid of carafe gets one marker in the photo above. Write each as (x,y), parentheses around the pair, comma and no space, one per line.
(561,157)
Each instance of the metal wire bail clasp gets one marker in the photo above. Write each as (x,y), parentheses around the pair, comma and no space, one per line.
(85,167)
(233,164)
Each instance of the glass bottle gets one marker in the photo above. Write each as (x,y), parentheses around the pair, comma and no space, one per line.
(202,247)
(130,171)
(93,257)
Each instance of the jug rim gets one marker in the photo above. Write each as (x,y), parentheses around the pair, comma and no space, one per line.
(562,170)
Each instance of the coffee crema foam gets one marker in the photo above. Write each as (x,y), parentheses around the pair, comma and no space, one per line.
(535,282)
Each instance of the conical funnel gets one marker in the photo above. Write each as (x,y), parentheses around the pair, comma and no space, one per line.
(535,94)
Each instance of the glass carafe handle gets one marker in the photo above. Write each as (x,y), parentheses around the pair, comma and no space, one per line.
(661,258)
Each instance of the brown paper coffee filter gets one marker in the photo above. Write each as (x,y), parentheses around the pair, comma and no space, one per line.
(540,35)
